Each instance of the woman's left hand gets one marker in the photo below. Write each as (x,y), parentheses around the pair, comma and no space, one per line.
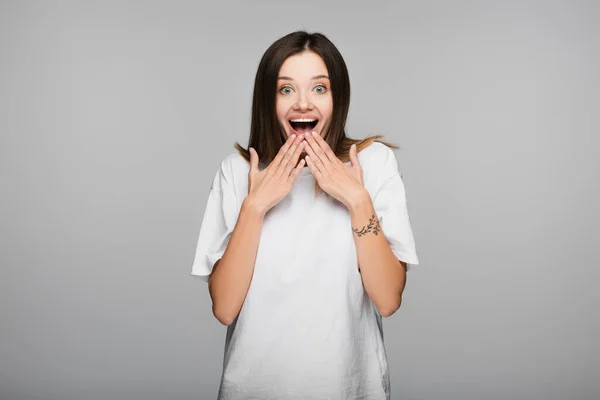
(343,182)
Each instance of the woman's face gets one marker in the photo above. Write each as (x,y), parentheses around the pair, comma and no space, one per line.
(303,100)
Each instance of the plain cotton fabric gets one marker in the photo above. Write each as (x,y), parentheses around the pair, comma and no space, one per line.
(307,328)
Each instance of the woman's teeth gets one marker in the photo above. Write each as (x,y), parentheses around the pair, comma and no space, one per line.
(303,120)
(303,125)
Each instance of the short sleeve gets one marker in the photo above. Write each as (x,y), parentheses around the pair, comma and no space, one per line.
(218,221)
(391,207)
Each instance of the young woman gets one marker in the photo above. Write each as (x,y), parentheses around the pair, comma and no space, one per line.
(305,239)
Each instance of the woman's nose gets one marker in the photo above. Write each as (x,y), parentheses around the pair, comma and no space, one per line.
(303,102)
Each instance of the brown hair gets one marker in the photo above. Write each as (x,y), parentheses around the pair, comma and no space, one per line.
(266,136)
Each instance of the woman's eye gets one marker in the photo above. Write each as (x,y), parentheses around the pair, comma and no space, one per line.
(320,89)
(285,90)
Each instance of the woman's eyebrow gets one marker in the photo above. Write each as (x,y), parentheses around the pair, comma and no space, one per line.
(287,78)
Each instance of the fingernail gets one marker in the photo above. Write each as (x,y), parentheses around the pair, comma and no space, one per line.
(314,133)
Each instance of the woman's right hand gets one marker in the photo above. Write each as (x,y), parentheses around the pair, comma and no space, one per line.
(268,187)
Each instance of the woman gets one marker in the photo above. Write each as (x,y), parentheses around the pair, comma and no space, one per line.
(305,239)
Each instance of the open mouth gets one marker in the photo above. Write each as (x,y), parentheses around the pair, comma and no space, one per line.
(303,125)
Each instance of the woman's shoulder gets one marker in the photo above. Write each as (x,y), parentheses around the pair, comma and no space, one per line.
(233,164)
(375,149)
(232,174)
(377,157)
(377,160)
(378,163)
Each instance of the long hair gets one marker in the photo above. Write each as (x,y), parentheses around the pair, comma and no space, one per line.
(266,136)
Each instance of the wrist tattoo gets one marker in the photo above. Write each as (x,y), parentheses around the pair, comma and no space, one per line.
(372,227)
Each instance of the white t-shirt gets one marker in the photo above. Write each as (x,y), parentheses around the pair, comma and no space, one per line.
(307,328)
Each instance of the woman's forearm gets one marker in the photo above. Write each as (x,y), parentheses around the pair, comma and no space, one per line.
(231,276)
(383,278)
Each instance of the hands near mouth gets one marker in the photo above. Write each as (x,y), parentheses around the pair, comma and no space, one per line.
(269,186)
(343,182)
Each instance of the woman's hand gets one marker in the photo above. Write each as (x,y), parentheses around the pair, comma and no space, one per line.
(345,183)
(268,187)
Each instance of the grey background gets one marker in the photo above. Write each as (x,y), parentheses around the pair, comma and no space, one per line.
(115,116)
